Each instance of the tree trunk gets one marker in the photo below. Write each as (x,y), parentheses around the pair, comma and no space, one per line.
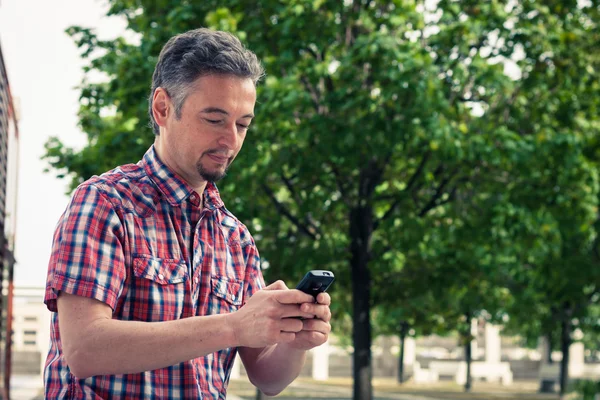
(468,355)
(403,333)
(550,347)
(565,339)
(468,361)
(361,225)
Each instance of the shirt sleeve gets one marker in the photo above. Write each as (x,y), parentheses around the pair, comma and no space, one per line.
(254,280)
(87,257)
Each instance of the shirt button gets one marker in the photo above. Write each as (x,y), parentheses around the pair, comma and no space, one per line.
(232,296)
(161,276)
(196,280)
(193,197)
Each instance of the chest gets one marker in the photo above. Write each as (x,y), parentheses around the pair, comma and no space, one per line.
(181,263)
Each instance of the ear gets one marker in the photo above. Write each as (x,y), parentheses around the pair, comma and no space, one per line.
(161,106)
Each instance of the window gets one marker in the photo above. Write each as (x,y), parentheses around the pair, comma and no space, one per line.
(29,338)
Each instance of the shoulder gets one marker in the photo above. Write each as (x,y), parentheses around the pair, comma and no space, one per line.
(127,188)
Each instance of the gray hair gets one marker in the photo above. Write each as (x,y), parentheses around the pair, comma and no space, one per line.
(199,52)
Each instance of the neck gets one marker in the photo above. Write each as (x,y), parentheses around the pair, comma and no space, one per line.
(198,185)
(200,190)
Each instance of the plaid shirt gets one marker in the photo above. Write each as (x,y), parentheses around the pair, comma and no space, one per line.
(138,239)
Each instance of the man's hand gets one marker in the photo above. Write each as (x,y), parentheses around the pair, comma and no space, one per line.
(315,331)
(269,320)
(267,317)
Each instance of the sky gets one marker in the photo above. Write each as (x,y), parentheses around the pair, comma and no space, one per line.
(44,68)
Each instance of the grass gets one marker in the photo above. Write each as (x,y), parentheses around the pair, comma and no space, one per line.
(388,388)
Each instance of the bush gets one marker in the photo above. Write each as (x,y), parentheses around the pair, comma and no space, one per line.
(586,389)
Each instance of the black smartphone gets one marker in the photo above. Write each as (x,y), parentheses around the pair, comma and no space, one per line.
(315,282)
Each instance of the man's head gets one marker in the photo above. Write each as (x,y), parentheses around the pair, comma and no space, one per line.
(200,52)
(202,101)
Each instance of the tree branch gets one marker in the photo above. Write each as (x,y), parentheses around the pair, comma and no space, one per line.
(409,186)
(340,184)
(313,53)
(285,212)
(290,186)
(313,93)
(451,196)
(320,57)
(433,202)
(419,170)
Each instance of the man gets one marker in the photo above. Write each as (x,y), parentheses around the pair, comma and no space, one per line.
(154,285)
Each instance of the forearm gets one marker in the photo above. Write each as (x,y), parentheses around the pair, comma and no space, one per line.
(111,347)
(273,368)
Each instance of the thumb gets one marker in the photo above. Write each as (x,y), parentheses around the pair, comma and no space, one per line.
(277,285)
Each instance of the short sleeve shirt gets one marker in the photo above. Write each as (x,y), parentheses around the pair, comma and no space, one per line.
(138,239)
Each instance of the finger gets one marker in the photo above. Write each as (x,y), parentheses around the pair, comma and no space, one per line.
(324,298)
(313,337)
(286,337)
(294,296)
(291,325)
(316,325)
(318,310)
(293,310)
(277,285)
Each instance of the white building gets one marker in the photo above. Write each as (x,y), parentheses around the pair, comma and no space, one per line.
(30,330)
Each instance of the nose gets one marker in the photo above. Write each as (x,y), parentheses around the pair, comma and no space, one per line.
(228,136)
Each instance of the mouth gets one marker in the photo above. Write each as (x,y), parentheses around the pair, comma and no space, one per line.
(218,158)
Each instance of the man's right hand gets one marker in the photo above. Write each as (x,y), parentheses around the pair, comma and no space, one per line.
(268,316)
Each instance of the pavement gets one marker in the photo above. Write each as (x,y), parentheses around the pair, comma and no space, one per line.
(26,387)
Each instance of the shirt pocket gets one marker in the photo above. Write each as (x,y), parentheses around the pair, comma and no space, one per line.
(159,288)
(225,295)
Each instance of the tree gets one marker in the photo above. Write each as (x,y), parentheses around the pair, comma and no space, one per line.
(373,119)
(560,289)
(560,179)
(416,313)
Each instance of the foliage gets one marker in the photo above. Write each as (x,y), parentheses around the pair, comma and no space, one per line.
(393,146)
(586,389)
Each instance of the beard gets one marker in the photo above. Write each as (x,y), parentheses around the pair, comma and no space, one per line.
(211,175)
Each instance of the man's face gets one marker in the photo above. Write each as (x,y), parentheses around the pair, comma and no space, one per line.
(215,117)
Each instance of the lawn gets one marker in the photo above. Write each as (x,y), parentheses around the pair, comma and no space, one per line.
(389,389)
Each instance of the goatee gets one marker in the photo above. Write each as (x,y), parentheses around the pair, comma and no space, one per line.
(211,176)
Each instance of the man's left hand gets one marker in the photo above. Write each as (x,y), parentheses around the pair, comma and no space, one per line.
(315,331)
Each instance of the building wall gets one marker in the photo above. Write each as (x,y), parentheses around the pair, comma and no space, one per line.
(30,331)
(9,145)
(29,315)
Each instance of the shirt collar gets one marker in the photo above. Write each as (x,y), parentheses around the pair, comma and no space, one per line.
(175,189)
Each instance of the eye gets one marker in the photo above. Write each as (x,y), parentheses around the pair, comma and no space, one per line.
(243,126)
(213,121)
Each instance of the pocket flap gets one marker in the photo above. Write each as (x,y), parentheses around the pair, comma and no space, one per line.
(227,289)
(160,270)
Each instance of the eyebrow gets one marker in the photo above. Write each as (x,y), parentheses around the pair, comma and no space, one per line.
(217,110)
